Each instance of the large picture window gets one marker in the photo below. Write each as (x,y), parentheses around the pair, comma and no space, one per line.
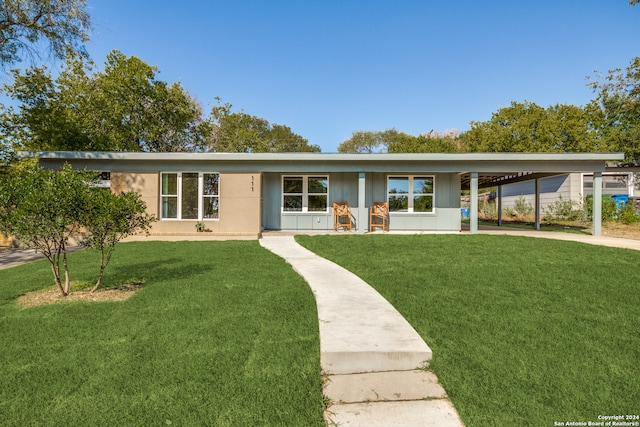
(190,195)
(410,193)
(305,193)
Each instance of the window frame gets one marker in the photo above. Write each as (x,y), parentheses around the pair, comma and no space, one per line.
(178,196)
(411,195)
(305,194)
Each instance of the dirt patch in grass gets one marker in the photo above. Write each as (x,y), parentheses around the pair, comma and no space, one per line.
(52,295)
(609,228)
(625,231)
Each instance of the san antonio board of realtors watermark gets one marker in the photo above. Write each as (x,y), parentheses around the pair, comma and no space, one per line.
(604,421)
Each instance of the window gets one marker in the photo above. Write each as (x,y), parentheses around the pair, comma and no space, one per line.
(103,179)
(410,193)
(190,195)
(305,193)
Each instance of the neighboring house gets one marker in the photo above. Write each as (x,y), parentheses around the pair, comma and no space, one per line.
(240,195)
(575,186)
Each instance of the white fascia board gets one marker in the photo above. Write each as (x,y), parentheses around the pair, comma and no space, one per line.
(325,157)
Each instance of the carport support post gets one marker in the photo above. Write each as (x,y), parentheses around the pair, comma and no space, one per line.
(537,203)
(499,205)
(473,218)
(596,217)
(362,209)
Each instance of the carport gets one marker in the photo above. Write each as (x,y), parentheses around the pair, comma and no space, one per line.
(497,169)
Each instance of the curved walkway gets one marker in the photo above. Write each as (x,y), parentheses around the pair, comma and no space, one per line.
(369,351)
(370,354)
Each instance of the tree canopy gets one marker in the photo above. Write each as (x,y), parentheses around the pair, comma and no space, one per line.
(123,108)
(241,132)
(25,24)
(616,109)
(528,127)
(394,141)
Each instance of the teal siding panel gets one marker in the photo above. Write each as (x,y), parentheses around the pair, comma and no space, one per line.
(343,187)
(271,196)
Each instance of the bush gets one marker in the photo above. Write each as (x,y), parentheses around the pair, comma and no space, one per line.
(564,210)
(508,212)
(521,207)
(609,208)
(629,215)
(488,209)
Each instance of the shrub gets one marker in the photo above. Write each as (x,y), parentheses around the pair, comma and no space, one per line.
(521,207)
(488,209)
(628,214)
(564,210)
(508,212)
(609,208)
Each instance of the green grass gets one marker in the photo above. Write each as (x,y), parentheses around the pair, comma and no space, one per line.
(524,331)
(223,333)
(574,228)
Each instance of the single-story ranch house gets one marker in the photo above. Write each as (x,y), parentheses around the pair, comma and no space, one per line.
(240,195)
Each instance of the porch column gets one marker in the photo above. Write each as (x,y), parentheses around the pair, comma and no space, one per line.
(362,209)
(499,203)
(596,216)
(473,200)
(537,203)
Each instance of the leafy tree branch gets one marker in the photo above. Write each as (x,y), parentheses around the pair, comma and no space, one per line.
(63,24)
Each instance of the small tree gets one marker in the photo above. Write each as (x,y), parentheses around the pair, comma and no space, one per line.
(42,209)
(109,218)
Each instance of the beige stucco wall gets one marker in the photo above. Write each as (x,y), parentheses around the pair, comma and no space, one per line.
(239,204)
(143,183)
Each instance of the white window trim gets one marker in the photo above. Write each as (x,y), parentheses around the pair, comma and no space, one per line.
(201,196)
(305,194)
(101,182)
(410,194)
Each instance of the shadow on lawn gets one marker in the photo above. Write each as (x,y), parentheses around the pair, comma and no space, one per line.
(167,269)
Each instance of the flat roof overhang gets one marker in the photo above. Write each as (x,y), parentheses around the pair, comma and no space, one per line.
(493,168)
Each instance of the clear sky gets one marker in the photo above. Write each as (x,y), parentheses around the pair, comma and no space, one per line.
(327,68)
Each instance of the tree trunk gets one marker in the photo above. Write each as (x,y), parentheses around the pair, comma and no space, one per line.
(56,276)
(99,281)
(103,265)
(54,260)
(67,282)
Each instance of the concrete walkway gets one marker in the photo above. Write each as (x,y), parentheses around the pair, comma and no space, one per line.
(613,242)
(10,257)
(370,354)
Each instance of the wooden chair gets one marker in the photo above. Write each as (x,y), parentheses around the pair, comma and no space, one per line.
(342,216)
(379,216)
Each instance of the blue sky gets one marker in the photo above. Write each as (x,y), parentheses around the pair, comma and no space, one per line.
(329,68)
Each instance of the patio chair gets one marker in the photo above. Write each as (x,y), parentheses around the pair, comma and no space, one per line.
(342,216)
(379,216)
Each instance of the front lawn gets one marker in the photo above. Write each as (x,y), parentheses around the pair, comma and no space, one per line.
(524,331)
(222,333)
